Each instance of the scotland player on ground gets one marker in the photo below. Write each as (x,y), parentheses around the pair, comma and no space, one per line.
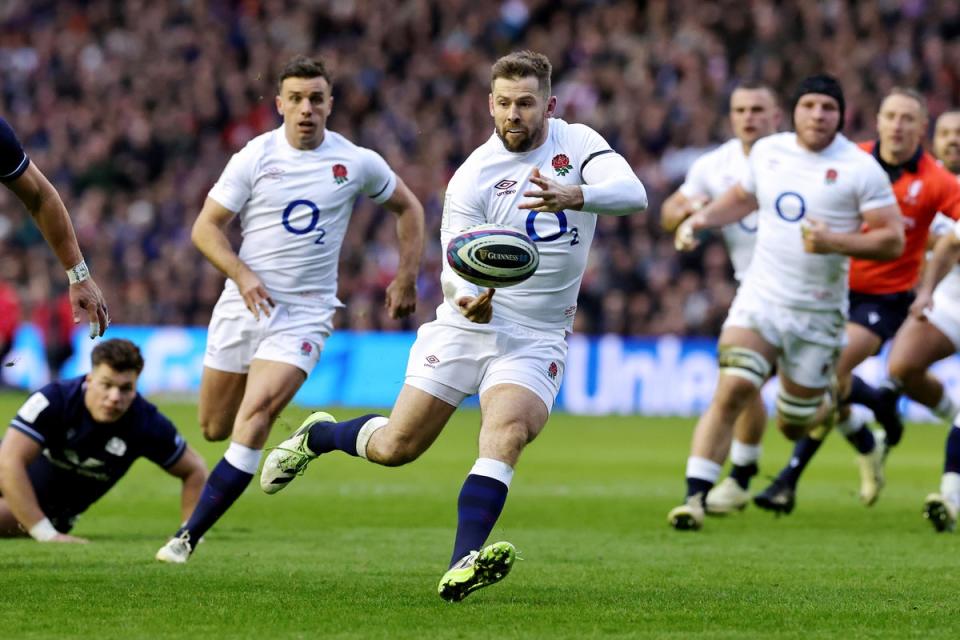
(813,189)
(71,441)
(753,114)
(42,201)
(549,178)
(293,189)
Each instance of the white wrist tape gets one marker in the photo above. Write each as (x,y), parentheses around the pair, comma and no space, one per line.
(43,531)
(78,272)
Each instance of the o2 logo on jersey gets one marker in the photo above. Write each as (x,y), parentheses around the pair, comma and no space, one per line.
(790,206)
(311,226)
(562,227)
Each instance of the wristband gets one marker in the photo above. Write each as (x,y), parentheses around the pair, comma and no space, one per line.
(78,273)
(43,531)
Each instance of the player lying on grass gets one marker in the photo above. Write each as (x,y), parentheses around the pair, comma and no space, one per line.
(73,440)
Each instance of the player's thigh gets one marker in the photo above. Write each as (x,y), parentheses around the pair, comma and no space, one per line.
(270,387)
(220,395)
(512,416)
(918,344)
(748,338)
(861,344)
(9,527)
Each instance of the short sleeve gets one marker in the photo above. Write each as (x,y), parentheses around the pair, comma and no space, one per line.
(13,159)
(163,445)
(379,180)
(875,190)
(235,185)
(695,184)
(41,415)
(949,200)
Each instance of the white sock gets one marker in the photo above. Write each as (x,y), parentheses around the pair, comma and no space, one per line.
(243,458)
(743,455)
(950,487)
(703,469)
(945,409)
(366,432)
(491,468)
(852,424)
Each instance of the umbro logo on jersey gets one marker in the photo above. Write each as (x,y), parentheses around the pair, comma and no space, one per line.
(505,187)
(273,173)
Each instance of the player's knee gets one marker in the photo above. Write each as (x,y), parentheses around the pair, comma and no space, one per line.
(214,430)
(796,415)
(745,371)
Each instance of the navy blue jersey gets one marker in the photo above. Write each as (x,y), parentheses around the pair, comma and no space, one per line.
(83,458)
(13,159)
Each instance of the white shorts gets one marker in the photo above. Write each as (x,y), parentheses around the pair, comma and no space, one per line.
(450,361)
(809,342)
(292,334)
(945,314)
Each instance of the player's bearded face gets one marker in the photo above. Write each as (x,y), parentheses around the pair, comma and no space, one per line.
(520,112)
(946,141)
(305,104)
(817,120)
(109,393)
(901,125)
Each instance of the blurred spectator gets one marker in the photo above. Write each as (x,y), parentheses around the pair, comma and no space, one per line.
(133,107)
(9,321)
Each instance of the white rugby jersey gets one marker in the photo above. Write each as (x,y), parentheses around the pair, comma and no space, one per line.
(943,224)
(714,173)
(489,186)
(294,207)
(835,185)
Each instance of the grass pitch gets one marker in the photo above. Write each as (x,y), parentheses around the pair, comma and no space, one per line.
(355,551)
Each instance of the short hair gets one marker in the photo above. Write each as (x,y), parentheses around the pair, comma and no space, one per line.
(913,94)
(118,354)
(757,85)
(303,67)
(523,64)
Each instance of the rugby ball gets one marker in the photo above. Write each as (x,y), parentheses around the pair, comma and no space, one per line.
(493,255)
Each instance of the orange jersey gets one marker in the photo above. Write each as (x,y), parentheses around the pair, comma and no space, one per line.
(923,189)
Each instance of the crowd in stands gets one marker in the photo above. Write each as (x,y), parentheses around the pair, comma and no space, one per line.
(133,107)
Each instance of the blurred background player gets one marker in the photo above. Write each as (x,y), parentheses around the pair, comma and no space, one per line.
(89,430)
(510,348)
(42,201)
(881,293)
(813,189)
(294,189)
(754,113)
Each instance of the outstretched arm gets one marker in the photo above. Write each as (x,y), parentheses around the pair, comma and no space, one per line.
(192,470)
(48,211)
(945,255)
(401,299)
(732,205)
(17,451)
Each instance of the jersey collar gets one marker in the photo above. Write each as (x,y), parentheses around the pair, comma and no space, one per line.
(895,171)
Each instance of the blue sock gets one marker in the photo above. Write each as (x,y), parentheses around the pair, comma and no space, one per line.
(951,462)
(803,452)
(862,440)
(741,474)
(223,487)
(330,436)
(698,485)
(480,503)
(862,393)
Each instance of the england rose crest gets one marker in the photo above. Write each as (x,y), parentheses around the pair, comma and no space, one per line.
(553,370)
(339,173)
(561,164)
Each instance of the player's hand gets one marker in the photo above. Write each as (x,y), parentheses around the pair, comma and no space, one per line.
(553,196)
(685,237)
(86,296)
(68,539)
(921,304)
(254,294)
(479,309)
(677,215)
(401,298)
(815,236)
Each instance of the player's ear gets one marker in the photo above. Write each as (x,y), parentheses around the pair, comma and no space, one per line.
(490,103)
(551,106)
(279,103)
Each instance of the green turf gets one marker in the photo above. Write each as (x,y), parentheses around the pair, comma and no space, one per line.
(355,551)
